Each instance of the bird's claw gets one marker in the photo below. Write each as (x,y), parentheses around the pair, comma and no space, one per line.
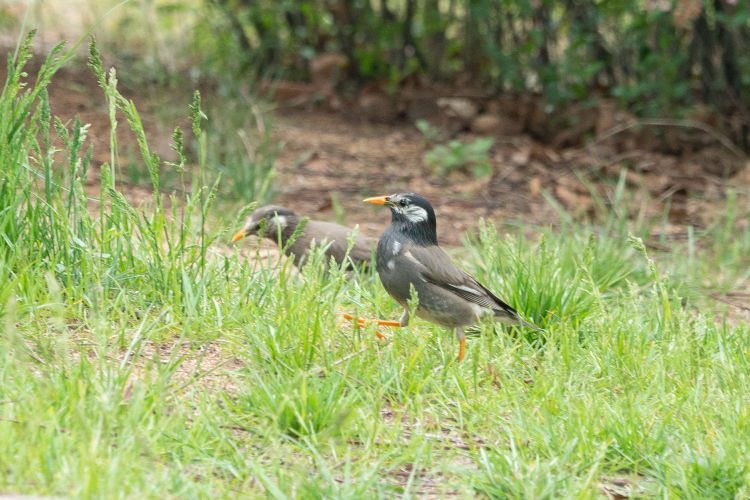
(361,322)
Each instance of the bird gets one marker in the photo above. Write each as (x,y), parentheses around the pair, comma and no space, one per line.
(283,222)
(408,256)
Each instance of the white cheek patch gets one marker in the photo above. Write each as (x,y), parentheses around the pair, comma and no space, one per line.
(415,213)
(391,265)
(279,221)
(249,224)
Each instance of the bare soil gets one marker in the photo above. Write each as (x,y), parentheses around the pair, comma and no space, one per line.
(342,156)
(333,157)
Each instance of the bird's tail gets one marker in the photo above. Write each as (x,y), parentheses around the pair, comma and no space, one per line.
(528,325)
(510,316)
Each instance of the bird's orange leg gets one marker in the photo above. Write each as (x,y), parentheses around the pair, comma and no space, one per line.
(381,322)
(361,321)
(461,349)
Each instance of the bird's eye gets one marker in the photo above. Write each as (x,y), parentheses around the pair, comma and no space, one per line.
(403,203)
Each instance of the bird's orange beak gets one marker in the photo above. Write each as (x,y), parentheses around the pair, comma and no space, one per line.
(377,200)
(238,235)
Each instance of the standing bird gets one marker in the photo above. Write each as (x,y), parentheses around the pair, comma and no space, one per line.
(282,221)
(408,256)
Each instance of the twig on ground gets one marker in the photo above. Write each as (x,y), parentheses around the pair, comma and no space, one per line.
(354,379)
(725,300)
(668,122)
(15,421)
(349,356)
(455,442)
(197,376)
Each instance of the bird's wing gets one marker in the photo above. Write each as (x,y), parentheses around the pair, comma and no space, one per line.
(437,268)
(338,236)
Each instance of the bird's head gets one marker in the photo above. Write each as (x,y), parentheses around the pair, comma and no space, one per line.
(276,220)
(411,214)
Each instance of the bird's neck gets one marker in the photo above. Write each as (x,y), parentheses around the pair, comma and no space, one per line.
(422,234)
(272,231)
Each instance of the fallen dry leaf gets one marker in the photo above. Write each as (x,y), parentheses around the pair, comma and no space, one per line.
(535,186)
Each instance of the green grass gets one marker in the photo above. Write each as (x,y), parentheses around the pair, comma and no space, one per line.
(112,317)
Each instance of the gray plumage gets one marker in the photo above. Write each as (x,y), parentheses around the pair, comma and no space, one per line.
(408,255)
(280,220)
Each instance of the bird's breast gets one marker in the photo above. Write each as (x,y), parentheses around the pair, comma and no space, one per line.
(387,258)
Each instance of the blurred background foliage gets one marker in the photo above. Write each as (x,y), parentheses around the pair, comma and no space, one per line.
(655,57)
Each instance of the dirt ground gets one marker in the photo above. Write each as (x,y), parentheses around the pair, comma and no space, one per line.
(339,157)
(330,155)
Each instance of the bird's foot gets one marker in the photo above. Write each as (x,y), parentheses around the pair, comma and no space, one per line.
(361,322)
(461,349)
